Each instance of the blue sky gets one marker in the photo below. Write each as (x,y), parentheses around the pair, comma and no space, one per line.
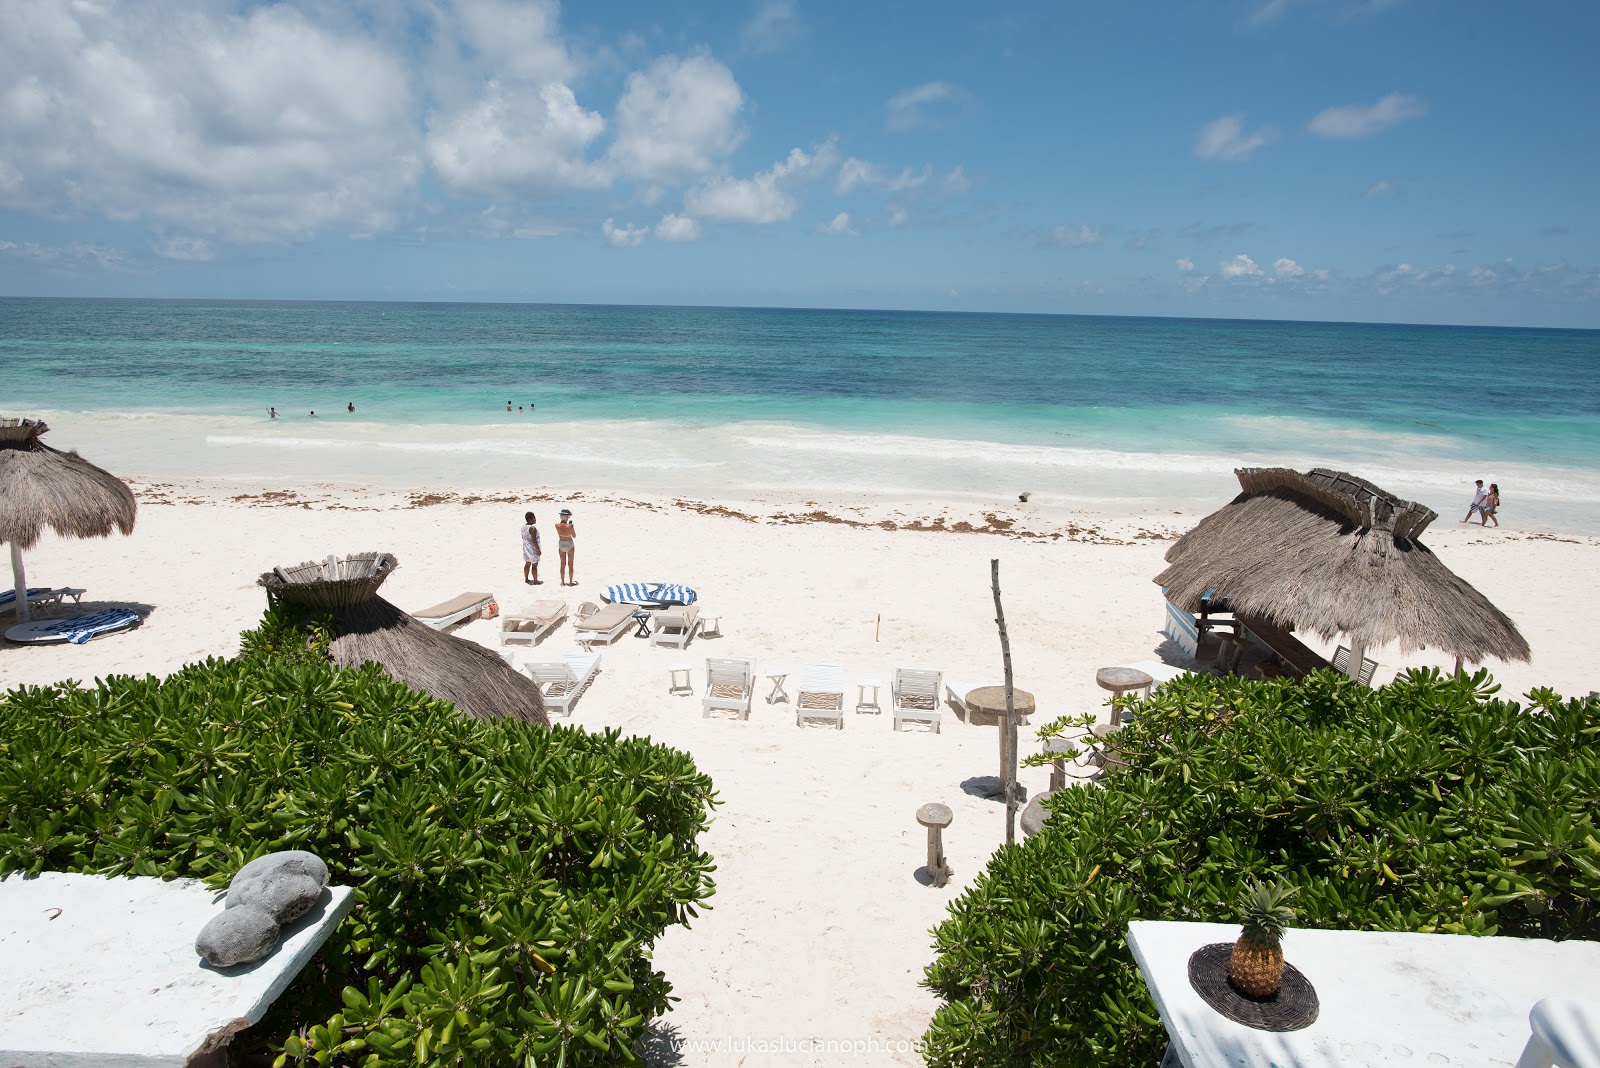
(1386,160)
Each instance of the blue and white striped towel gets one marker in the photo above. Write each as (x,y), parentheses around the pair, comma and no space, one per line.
(79,629)
(630,593)
(674,593)
(10,596)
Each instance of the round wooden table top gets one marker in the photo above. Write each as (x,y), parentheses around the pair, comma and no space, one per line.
(991,700)
(934,814)
(1118,679)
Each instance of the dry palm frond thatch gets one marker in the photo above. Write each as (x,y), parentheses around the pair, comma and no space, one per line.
(1332,554)
(368,628)
(43,487)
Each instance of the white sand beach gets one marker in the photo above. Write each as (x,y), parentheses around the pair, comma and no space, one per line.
(818,930)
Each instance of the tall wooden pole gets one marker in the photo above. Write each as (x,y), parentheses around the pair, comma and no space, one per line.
(1008,759)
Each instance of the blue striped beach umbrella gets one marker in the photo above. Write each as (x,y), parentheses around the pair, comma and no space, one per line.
(674,593)
(631,593)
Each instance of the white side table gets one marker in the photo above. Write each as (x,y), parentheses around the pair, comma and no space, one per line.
(868,702)
(777,693)
(679,681)
(710,625)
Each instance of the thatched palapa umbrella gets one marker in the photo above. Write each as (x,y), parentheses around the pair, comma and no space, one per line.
(1333,554)
(369,628)
(42,487)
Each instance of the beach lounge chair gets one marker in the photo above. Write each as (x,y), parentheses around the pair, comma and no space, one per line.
(1181,627)
(40,596)
(75,629)
(820,694)
(1341,664)
(730,683)
(675,626)
(561,681)
(604,625)
(916,696)
(454,610)
(532,622)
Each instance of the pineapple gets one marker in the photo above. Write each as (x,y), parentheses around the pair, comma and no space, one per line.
(1256,964)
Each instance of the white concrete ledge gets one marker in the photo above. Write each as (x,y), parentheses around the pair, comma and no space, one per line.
(99,971)
(1386,999)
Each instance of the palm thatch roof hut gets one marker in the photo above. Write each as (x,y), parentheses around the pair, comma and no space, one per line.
(43,487)
(369,628)
(1332,554)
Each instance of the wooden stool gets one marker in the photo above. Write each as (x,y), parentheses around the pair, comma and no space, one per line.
(936,818)
(863,702)
(1120,680)
(678,680)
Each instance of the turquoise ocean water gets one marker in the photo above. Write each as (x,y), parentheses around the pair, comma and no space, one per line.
(1083,411)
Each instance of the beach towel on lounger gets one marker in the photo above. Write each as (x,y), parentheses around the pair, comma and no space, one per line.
(79,629)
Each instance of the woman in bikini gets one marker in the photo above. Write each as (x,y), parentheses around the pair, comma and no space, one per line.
(566,538)
(1491,505)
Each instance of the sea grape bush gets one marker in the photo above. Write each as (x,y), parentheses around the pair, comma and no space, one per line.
(511,878)
(1429,805)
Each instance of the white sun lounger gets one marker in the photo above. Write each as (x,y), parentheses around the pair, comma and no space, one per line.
(675,626)
(820,694)
(75,629)
(604,625)
(532,622)
(454,610)
(730,683)
(40,596)
(560,682)
(916,694)
(1341,664)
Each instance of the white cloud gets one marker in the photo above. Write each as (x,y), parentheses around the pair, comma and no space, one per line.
(1383,187)
(253,127)
(1241,266)
(1065,236)
(1284,267)
(194,249)
(898,215)
(1356,121)
(770,196)
(678,119)
(770,28)
(858,173)
(677,228)
(1185,264)
(517,142)
(67,257)
(1225,138)
(839,226)
(930,104)
(623,236)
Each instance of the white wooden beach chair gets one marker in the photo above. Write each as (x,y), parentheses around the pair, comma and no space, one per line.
(560,682)
(454,610)
(730,684)
(604,625)
(820,694)
(1181,627)
(675,626)
(915,694)
(1341,664)
(532,622)
(40,596)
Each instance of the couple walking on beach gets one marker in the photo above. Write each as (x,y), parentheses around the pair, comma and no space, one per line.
(566,545)
(1485,502)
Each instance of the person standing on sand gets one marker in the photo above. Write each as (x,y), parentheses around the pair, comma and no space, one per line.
(1477,502)
(566,545)
(530,550)
(1491,505)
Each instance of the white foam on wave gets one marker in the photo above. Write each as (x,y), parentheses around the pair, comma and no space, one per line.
(610,454)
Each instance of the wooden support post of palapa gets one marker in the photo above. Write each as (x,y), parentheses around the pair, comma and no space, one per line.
(1008,758)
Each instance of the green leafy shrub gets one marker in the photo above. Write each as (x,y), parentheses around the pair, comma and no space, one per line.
(1428,806)
(511,879)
